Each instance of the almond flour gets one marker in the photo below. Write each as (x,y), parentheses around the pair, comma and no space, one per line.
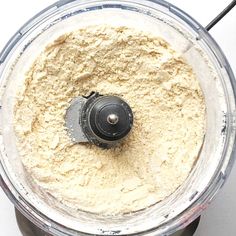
(169,119)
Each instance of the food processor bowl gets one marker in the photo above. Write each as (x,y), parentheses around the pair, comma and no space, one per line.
(216,79)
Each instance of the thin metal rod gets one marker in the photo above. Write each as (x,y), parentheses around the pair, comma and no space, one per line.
(221,15)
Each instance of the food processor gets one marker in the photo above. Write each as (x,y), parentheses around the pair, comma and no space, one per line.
(216,79)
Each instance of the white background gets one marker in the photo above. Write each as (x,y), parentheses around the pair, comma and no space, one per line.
(220,218)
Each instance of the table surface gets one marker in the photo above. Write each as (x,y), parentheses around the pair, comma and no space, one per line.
(219,218)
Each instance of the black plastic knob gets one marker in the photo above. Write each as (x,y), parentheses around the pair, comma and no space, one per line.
(106,119)
(110,118)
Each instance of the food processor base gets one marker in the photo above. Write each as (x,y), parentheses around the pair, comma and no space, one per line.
(27,228)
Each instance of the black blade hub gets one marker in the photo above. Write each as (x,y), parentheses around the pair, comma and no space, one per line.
(106,119)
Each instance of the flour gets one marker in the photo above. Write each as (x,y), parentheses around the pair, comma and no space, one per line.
(169,119)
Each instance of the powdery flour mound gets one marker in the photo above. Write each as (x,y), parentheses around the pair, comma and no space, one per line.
(169,119)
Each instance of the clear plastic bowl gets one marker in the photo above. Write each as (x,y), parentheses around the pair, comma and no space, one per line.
(216,80)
